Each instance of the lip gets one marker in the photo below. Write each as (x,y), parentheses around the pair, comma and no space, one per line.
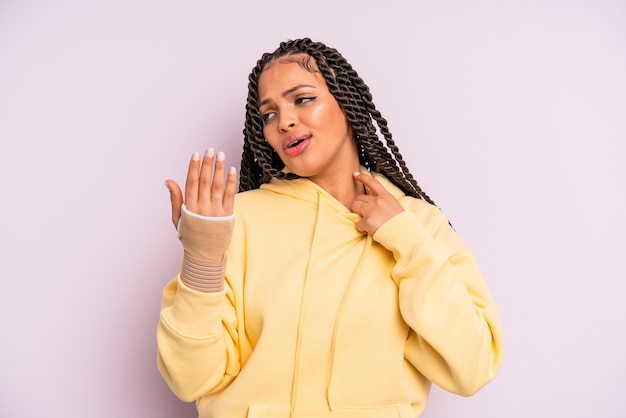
(304,139)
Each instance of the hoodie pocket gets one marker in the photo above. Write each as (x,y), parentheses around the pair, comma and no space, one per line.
(306,411)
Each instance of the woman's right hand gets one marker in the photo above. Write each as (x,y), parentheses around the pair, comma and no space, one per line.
(205,192)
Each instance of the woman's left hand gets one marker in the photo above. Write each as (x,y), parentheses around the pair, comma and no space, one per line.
(376,207)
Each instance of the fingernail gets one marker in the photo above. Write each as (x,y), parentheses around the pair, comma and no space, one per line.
(220,156)
(196,156)
(232,171)
(210,152)
(167,186)
(356,173)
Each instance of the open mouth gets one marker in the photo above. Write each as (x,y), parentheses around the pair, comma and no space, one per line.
(295,143)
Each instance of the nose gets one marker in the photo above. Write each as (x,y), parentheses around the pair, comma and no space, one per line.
(286,128)
(287,121)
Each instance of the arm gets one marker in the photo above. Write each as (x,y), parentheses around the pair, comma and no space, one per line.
(197,340)
(197,332)
(455,339)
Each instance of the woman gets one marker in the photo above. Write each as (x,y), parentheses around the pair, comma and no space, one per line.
(335,288)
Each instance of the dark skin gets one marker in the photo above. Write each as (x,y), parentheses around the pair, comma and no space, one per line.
(205,192)
(319,118)
(376,207)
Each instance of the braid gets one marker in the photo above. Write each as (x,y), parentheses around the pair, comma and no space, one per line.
(259,161)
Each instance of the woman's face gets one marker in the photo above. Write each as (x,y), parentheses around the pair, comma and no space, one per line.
(304,123)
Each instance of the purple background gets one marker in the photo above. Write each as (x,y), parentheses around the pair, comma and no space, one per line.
(511,114)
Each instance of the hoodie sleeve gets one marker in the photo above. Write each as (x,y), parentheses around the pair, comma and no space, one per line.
(197,340)
(456,340)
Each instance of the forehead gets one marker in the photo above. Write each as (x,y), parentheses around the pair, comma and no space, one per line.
(282,75)
(304,60)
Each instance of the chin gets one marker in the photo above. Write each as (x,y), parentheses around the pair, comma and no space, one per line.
(300,171)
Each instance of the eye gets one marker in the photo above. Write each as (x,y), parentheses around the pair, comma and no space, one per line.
(267,116)
(302,100)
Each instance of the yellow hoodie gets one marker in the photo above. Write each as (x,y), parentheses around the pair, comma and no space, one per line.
(320,320)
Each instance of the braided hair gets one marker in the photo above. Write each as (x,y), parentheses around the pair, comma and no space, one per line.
(259,162)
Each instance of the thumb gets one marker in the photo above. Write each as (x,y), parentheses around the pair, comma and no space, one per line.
(176,197)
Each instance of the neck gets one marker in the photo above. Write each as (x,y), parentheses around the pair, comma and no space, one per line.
(343,187)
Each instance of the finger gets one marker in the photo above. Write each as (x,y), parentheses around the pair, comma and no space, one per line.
(206,177)
(191,184)
(231,189)
(359,205)
(176,198)
(359,227)
(375,188)
(217,187)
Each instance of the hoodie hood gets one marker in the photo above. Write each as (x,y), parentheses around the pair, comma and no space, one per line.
(308,191)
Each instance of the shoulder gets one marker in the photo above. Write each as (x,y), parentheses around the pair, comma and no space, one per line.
(250,195)
(248,200)
(427,214)
(261,200)
(424,211)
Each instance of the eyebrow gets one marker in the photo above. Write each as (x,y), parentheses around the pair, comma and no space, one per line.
(287,92)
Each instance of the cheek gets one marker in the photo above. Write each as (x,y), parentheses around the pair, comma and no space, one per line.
(318,116)
(331,116)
